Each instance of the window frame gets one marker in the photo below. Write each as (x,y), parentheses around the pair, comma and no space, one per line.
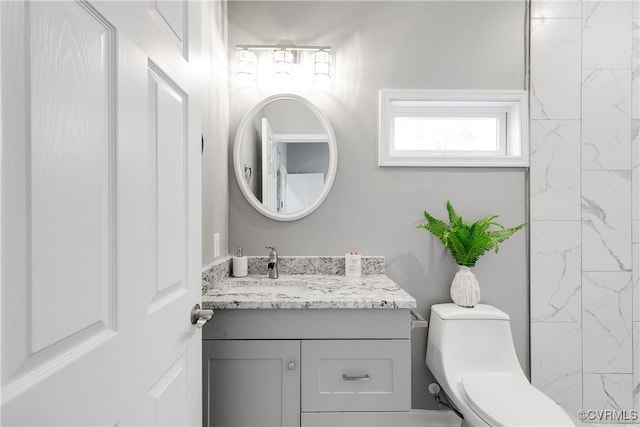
(455,103)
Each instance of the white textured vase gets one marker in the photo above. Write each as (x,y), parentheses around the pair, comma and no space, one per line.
(465,291)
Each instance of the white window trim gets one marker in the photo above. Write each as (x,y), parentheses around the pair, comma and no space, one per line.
(514,102)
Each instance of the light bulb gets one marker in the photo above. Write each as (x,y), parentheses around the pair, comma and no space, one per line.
(247,65)
(322,66)
(282,64)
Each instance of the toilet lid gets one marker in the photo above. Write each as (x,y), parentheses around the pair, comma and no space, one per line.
(504,399)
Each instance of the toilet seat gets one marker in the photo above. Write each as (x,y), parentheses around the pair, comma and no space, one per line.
(505,399)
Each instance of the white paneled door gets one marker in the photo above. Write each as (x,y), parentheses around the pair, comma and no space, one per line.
(100,213)
(269,167)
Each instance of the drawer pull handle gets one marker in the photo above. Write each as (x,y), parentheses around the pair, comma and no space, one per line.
(364,377)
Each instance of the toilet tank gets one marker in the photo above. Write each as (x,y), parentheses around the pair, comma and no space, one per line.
(465,339)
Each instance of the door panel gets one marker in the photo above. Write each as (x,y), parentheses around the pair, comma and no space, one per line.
(71,171)
(170,16)
(64,217)
(167,111)
(168,396)
(100,217)
(58,214)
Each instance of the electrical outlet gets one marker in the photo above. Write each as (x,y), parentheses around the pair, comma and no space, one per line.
(216,245)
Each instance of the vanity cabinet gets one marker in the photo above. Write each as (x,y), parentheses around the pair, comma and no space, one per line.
(307,368)
(252,383)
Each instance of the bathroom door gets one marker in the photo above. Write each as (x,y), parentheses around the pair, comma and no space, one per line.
(269,168)
(100,213)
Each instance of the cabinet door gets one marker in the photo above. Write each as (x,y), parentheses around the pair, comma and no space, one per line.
(251,383)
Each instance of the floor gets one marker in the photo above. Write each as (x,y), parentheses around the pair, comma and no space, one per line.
(431,418)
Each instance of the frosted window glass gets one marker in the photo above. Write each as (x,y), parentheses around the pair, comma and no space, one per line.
(446,133)
(451,128)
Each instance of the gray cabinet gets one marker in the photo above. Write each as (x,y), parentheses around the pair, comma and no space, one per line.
(355,375)
(307,368)
(252,383)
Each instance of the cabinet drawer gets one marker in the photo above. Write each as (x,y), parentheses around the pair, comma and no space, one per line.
(356,375)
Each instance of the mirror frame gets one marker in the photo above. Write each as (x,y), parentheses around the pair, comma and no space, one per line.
(333,158)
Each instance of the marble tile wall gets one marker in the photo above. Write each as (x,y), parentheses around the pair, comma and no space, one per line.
(585,202)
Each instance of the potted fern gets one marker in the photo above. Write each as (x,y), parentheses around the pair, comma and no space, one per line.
(467,242)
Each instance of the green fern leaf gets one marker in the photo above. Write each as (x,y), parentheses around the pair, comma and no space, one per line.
(454,218)
(466,241)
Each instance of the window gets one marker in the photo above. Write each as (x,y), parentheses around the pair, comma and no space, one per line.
(453,128)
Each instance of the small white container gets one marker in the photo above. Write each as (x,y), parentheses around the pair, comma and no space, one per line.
(239,268)
(352,264)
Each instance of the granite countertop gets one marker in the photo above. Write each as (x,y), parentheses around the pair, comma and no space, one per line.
(314,291)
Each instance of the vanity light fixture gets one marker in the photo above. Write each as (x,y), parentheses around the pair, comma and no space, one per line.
(286,59)
(283,64)
(321,66)
(246,65)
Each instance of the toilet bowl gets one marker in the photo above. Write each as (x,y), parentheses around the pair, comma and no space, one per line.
(470,352)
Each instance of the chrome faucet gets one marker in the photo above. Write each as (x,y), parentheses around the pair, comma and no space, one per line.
(272,266)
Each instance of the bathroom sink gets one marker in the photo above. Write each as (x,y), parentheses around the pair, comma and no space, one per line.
(268,287)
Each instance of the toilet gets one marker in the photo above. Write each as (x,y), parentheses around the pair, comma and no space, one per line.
(470,352)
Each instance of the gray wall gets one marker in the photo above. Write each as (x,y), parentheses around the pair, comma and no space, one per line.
(215,131)
(308,157)
(479,45)
(287,116)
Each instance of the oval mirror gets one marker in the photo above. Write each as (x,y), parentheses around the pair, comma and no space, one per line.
(285,157)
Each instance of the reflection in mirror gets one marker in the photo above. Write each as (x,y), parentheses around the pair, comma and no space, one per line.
(285,157)
(287,151)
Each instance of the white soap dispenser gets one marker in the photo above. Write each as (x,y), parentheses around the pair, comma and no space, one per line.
(239,264)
